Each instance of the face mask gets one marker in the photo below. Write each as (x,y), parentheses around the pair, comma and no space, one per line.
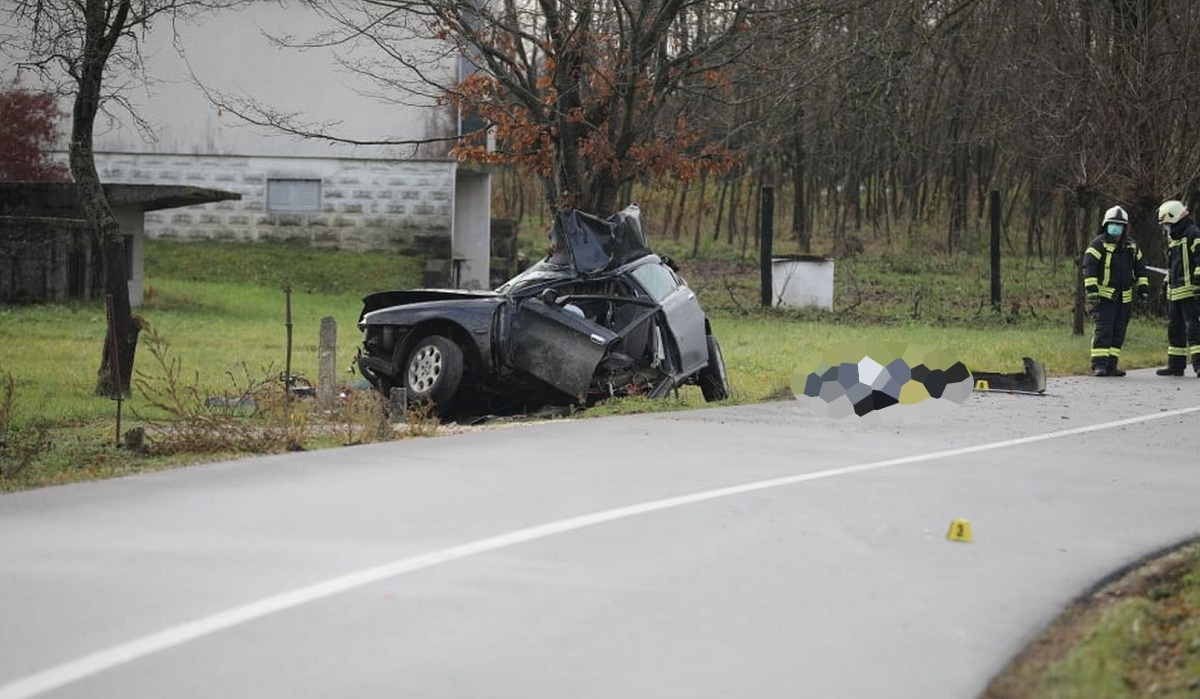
(1114,229)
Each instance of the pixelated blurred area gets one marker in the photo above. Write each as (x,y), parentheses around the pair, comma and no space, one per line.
(881,382)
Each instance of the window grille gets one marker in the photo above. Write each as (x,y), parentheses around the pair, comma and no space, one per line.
(294,195)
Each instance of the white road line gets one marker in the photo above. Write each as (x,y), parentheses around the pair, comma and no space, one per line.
(75,670)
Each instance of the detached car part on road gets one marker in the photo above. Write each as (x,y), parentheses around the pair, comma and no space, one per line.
(600,316)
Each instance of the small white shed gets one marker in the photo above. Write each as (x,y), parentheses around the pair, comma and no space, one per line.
(802,281)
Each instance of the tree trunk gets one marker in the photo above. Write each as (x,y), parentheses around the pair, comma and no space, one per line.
(113,377)
(670,216)
(677,229)
(720,209)
(1077,232)
(734,200)
(701,205)
(801,232)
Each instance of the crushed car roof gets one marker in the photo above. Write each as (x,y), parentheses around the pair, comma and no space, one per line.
(592,245)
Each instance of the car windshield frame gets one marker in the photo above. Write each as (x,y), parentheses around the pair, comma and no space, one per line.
(541,272)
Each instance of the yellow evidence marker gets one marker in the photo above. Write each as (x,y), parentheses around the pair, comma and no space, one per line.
(982,385)
(960,530)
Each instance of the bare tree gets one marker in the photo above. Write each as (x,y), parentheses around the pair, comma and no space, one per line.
(78,46)
(584,95)
(894,110)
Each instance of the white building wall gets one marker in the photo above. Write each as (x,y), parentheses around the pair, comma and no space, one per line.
(373,197)
(232,53)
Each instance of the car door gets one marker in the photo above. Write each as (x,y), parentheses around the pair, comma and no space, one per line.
(557,346)
(685,318)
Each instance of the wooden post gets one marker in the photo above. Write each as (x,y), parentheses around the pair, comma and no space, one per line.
(995,211)
(327,364)
(767,225)
(115,366)
(287,364)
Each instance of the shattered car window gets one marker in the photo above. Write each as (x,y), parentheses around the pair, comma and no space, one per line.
(539,273)
(659,281)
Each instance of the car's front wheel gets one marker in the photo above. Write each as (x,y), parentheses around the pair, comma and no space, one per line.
(434,370)
(714,382)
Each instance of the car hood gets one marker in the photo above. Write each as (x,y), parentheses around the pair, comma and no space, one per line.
(592,245)
(388,299)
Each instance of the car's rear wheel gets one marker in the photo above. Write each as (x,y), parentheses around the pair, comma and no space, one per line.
(433,371)
(714,382)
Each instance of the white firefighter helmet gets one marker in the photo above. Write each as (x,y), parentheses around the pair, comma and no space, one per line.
(1116,215)
(1171,211)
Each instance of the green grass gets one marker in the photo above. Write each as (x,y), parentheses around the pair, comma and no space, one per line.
(1145,646)
(214,330)
(1137,637)
(276,265)
(221,309)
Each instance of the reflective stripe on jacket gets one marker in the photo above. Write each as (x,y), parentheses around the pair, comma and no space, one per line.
(1114,268)
(1183,255)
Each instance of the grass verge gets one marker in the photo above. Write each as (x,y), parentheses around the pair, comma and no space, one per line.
(1138,636)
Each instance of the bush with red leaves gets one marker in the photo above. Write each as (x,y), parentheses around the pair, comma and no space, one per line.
(28,129)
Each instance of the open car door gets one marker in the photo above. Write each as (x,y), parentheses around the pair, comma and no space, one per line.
(557,346)
(568,347)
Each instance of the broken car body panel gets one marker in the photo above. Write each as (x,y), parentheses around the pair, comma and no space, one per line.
(558,346)
(592,245)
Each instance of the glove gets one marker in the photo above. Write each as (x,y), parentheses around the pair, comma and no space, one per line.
(1143,293)
(1093,293)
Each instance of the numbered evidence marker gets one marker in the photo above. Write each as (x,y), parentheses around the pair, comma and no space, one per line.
(960,530)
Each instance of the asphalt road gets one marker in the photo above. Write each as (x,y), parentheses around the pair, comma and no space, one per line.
(756,551)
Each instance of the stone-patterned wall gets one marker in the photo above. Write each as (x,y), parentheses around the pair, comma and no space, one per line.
(390,206)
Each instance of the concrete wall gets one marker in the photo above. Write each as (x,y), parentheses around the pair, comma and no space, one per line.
(365,205)
(54,259)
(472,230)
(130,221)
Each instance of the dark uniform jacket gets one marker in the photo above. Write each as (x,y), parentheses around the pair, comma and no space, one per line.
(1111,267)
(1183,260)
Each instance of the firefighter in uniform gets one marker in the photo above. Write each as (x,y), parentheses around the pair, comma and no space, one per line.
(1113,271)
(1183,288)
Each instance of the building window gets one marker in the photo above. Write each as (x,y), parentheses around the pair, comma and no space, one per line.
(294,195)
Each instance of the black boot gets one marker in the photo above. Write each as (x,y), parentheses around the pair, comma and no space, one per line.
(1170,370)
(1099,369)
(1114,370)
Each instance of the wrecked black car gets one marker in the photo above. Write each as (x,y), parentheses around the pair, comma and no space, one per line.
(599,316)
